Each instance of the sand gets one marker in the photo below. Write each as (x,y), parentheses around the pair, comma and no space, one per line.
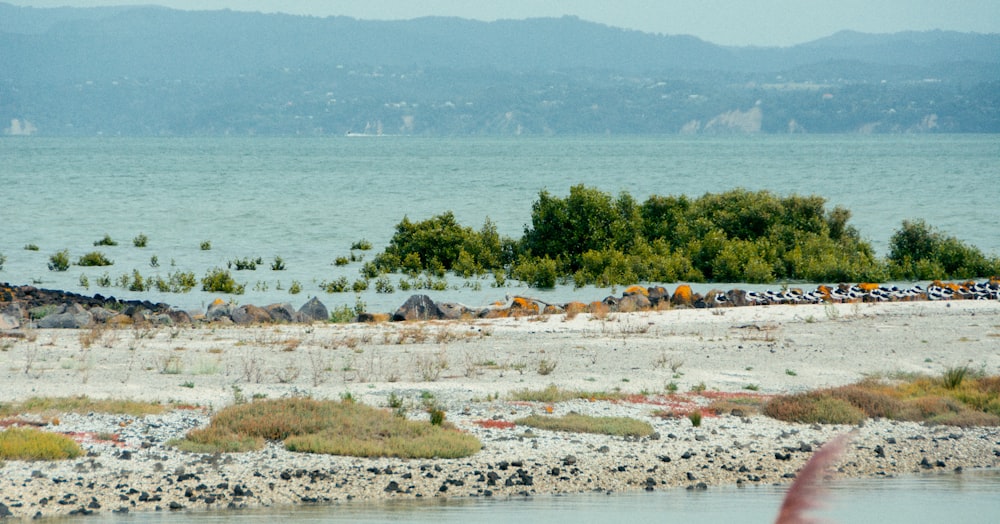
(470,368)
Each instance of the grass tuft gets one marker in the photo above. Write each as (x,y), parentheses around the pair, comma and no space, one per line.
(35,444)
(577,423)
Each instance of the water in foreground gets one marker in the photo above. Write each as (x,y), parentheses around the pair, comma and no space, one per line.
(969,498)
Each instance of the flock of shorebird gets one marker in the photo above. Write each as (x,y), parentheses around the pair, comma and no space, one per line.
(937,290)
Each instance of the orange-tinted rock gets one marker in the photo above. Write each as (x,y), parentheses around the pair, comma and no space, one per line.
(683,296)
(868,287)
(598,308)
(636,290)
(575,307)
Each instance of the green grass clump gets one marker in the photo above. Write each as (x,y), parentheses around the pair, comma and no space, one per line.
(106,241)
(576,423)
(329,427)
(80,404)
(220,280)
(553,393)
(94,258)
(34,444)
(140,240)
(59,261)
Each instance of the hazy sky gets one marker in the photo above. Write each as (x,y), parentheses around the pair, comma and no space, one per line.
(728,22)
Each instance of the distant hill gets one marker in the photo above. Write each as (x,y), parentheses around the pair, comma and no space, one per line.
(83,71)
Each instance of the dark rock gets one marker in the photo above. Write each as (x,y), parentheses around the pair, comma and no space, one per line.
(101,314)
(737,297)
(690,476)
(174,506)
(657,295)
(179,317)
(66,321)
(418,307)
(392,487)
(314,310)
(282,313)
(5,511)
(879,452)
(569,460)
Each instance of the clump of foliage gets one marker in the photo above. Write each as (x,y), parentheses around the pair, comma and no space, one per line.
(577,423)
(278,264)
(106,241)
(362,245)
(245,263)
(220,280)
(206,245)
(591,237)
(918,251)
(59,261)
(329,427)
(35,444)
(3,260)
(140,240)
(31,247)
(440,244)
(952,399)
(94,258)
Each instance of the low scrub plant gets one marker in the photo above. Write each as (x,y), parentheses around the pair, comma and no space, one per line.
(328,427)
(35,444)
(971,401)
(59,261)
(106,241)
(94,258)
(220,280)
(577,423)
(140,240)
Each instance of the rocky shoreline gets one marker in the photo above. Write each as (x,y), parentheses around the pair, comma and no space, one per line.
(470,367)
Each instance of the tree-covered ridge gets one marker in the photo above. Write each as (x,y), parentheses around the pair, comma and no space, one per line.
(592,237)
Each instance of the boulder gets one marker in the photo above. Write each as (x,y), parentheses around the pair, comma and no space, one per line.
(634,302)
(250,314)
(452,311)
(683,296)
(218,310)
(101,314)
(418,307)
(179,317)
(66,321)
(282,313)
(314,310)
(161,319)
(657,294)
(737,297)
(9,321)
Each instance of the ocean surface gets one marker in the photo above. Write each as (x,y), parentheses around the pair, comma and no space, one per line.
(307,200)
(968,498)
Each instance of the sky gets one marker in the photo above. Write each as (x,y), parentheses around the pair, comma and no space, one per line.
(725,22)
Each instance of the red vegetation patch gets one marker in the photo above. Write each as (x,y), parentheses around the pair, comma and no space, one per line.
(494,424)
(91,436)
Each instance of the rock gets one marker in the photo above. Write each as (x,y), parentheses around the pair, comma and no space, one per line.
(66,321)
(5,511)
(179,317)
(417,307)
(737,297)
(452,311)
(634,302)
(217,310)
(9,321)
(657,294)
(102,315)
(250,314)
(314,310)
(282,313)
(683,296)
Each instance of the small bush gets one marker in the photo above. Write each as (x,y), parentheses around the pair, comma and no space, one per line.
(295,288)
(140,240)
(34,444)
(31,247)
(335,286)
(206,245)
(576,423)
(94,258)
(695,418)
(59,261)
(245,263)
(341,261)
(106,241)
(362,245)
(278,264)
(953,377)
(811,408)
(342,314)
(219,280)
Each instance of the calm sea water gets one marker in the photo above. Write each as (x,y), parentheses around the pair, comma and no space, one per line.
(308,200)
(969,498)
